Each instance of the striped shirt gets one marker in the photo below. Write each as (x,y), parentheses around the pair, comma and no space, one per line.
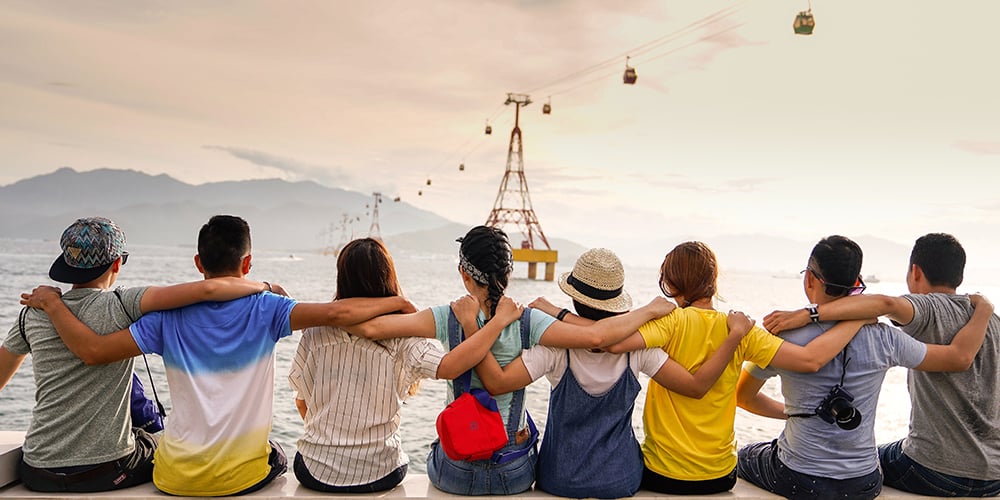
(354,389)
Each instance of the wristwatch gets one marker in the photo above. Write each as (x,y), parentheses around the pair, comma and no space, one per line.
(813,312)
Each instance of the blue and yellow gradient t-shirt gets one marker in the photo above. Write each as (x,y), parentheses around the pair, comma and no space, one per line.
(219,359)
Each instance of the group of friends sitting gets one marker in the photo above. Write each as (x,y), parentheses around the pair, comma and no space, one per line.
(364,353)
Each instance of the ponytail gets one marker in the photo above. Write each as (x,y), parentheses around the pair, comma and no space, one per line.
(486,256)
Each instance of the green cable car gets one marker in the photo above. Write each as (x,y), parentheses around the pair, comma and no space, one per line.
(804,23)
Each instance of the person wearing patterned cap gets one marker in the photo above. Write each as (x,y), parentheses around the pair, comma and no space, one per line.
(80,438)
(589,449)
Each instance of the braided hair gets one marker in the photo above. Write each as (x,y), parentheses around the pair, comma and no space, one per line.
(486,256)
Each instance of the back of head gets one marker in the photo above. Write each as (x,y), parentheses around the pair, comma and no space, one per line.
(486,256)
(365,269)
(89,247)
(941,258)
(838,261)
(692,270)
(223,242)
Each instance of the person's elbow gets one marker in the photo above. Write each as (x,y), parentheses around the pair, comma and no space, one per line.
(960,362)
(448,372)
(93,357)
(694,392)
(365,330)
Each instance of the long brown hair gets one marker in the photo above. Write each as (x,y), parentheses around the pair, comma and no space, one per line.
(365,269)
(691,270)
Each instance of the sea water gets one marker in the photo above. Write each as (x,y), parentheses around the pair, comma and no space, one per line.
(428,280)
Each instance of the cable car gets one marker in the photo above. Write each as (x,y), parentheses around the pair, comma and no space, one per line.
(461,167)
(420,193)
(396,198)
(547,107)
(804,23)
(629,77)
(428,182)
(489,129)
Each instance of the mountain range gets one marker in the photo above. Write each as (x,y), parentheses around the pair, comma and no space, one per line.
(161,210)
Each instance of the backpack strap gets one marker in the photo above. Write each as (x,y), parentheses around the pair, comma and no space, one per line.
(20,324)
(517,399)
(463,382)
(159,405)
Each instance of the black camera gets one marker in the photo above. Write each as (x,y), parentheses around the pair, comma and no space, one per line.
(838,407)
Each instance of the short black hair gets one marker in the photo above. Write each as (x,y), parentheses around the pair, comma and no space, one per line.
(941,258)
(222,244)
(838,261)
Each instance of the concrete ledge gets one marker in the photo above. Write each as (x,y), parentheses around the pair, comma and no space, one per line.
(414,486)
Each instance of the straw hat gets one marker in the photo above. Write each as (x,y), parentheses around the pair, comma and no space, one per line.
(598,281)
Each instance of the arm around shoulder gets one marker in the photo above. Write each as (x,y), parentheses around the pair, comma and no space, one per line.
(961,352)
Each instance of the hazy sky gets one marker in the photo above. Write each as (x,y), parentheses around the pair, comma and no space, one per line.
(886,121)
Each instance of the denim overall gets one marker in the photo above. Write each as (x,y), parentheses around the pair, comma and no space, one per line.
(511,470)
(589,448)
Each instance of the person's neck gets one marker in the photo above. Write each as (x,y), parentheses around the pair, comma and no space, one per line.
(702,303)
(941,289)
(102,283)
(233,274)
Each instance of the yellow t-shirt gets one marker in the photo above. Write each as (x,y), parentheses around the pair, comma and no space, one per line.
(693,439)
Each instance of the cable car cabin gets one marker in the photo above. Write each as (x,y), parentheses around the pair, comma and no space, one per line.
(546,109)
(396,198)
(420,193)
(461,167)
(489,130)
(629,77)
(428,182)
(804,23)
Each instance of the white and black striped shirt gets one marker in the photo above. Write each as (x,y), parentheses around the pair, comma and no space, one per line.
(354,389)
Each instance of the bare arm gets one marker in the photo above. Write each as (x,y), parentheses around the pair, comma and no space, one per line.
(9,363)
(543,304)
(390,326)
(91,348)
(959,354)
(159,298)
(819,351)
(300,404)
(634,342)
(607,331)
(344,312)
(898,309)
(471,350)
(749,397)
(499,380)
(673,376)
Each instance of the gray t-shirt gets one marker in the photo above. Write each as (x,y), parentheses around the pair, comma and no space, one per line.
(955,417)
(810,445)
(81,414)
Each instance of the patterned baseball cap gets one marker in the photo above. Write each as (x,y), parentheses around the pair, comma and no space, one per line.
(89,247)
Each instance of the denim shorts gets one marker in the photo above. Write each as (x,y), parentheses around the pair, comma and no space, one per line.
(481,477)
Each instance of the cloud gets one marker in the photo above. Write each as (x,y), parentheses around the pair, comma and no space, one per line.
(294,169)
(979,147)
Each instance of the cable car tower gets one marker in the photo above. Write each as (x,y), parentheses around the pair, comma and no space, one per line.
(375,231)
(513,203)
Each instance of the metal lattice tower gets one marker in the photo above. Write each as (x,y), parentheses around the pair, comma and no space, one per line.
(513,203)
(375,231)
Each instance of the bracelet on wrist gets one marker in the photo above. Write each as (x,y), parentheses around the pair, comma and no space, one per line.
(268,285)
(562,314)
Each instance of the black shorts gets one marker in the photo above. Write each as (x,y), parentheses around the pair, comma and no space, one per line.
(130,470)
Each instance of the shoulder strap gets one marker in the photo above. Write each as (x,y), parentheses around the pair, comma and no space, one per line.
(517,397)
(463,382)
(20,324)
(159,405)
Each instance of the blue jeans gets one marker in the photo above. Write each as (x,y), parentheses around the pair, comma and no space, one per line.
(481,477)
(759,464)
(903,473)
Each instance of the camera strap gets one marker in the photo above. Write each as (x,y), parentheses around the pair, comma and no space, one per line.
(156,397)
(843,373)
